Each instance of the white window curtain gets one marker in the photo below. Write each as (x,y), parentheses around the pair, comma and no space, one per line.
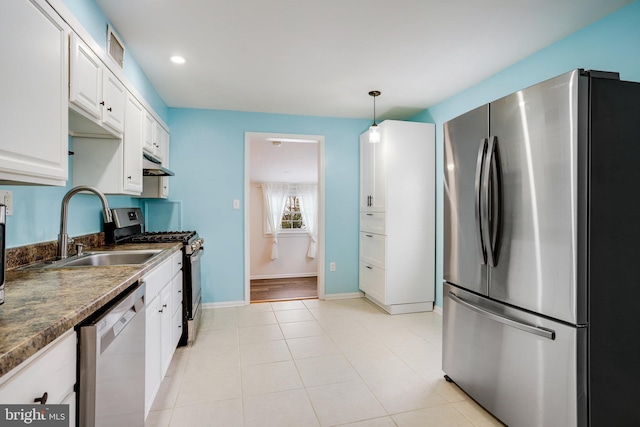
(308,195)
(274,196)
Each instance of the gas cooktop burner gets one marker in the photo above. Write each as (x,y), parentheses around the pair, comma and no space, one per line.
(164,236)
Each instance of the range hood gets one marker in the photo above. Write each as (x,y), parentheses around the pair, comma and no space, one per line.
(153,167)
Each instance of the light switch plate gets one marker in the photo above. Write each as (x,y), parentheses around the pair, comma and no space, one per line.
(236,204)
(6,198)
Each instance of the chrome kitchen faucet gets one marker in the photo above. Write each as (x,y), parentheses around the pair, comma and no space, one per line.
(63,238)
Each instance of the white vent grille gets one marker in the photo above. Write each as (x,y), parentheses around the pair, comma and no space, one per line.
(115,47)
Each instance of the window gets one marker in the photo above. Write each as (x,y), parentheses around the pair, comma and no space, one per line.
(292,216)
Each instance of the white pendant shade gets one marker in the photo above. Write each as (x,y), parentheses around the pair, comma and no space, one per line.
(374,134)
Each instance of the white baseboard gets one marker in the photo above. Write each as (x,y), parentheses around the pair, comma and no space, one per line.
(437,309)
(282,276)
(209,305)
(344,296)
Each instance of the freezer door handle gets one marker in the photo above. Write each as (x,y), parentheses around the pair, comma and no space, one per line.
(545,333)
(482,151)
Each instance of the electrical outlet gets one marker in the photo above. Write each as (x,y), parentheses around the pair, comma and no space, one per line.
(236,204)
(332,266)
(6,198)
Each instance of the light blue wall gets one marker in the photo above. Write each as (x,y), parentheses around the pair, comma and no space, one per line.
(611,44)
(207,154)
(36,216)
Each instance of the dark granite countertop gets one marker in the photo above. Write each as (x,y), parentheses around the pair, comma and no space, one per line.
(42,304)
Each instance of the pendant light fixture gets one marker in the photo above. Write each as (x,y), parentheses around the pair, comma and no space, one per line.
(374,133)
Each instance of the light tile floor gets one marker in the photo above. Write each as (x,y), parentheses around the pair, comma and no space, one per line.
(313,363)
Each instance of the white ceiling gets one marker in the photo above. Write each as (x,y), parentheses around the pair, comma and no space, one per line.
(289,161)
(322,57)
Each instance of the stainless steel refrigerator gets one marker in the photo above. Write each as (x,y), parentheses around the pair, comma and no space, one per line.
(541,300)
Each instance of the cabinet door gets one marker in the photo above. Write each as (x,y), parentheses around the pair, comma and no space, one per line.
(373,282)
(152,366)
(34,94)
(373,249)
(52,370)
(150,136)
(366,172)
(85,80)
(176,323)
(372,175)
(160,143)
(379,167)
(133,136)
(166,298)
(113,107)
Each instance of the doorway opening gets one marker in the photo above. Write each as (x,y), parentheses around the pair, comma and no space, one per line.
(284,191)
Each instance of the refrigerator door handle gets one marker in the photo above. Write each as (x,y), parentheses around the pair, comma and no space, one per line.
(492,196)
(545,333)
(482,151)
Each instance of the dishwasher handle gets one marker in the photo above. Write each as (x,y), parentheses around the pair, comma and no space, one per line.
(120,316)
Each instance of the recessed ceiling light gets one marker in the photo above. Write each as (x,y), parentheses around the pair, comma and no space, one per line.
(178,60)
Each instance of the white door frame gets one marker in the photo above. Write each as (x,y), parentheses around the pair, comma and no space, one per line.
(248,136)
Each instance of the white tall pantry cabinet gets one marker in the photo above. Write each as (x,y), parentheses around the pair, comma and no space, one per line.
(397,217)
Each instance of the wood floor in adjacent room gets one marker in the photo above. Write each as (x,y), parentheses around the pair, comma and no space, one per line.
(290,288)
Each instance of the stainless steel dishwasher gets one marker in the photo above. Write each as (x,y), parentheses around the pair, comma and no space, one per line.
(111,373)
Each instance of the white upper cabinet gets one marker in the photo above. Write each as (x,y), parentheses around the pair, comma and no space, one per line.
(33,100)
(373,183)
(152,134)
(94,89)
(85,85)
(133,137)
(114,100)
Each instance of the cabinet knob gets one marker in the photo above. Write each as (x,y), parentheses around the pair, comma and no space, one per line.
(109,109)
(43,399)
(102,103)
(129,177)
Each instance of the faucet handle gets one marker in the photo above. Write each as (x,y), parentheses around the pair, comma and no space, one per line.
(79,248)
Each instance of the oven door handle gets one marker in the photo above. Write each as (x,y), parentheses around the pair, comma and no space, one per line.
(196,255)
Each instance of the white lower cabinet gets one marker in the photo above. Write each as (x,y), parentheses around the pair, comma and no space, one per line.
(51,370)
(160,343)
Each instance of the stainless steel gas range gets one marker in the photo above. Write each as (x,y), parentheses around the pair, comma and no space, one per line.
(128,227)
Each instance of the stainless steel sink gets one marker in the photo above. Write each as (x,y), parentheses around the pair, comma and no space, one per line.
(99,259)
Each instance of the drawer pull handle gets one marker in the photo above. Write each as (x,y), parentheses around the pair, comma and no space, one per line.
(43,399)
(368,235)
(369,267)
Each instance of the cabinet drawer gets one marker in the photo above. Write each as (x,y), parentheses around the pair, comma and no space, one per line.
(373,222)
(176,325)
(177,292)
(373,249)
(373,281)
(51,370)
(158,278)
(176,262)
